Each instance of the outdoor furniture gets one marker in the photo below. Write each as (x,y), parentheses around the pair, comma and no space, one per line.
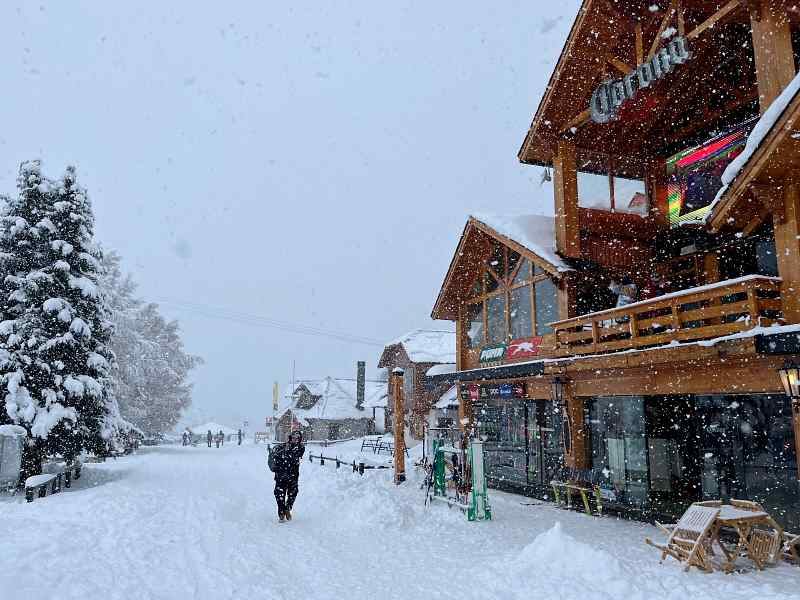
(576,481)
(748,523)
(791,547)
(371,442)
(37,485)
(690,540)
(387,445)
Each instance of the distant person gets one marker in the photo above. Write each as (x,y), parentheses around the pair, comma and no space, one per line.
(221,438)
(184,442)
(240,436)
(209,438)
(284,461)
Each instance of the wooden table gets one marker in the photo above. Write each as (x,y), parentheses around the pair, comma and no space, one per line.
(742,521)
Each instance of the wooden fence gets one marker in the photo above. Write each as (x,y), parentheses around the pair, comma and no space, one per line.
(705,312)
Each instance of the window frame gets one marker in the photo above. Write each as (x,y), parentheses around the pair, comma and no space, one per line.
(506,286)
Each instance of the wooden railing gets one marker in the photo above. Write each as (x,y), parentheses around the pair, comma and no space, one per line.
(705,312)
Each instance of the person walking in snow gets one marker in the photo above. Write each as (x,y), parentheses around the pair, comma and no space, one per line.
(209,437)
(221,438)
(284,461)
(240,437)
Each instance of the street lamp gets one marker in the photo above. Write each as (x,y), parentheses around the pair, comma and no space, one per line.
(790,378)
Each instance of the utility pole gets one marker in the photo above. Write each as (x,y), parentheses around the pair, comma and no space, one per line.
(399,427)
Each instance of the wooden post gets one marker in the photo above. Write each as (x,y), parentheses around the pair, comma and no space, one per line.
(772,49)
(565,183)
(787,251)
(796,419)
(399,427)
(573,405)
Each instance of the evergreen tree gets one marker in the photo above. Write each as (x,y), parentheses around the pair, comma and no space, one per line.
(55,362)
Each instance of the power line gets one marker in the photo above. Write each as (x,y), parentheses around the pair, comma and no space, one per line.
(235,316)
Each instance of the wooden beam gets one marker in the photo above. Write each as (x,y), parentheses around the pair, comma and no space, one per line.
(637,30)
(618,64)
(577,121)
(756,221)
(787,251)
(772,51)
(681,21)
(714,19)
(657,40)
(565,182)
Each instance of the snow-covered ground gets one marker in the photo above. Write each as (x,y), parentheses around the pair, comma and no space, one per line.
(200,523)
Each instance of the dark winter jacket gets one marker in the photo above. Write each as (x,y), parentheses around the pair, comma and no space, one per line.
(286,460)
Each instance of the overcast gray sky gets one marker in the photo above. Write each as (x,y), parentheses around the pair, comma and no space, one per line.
(306,162)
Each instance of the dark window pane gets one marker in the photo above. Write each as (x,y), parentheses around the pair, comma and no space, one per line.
(524,273)
(513,261)
(521,313)
(546,306)
(496,318)
(474,319)
(491,283)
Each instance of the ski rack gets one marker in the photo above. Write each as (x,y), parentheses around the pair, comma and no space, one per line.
(357,467)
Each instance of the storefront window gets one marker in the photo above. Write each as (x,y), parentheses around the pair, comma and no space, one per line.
(475,324)
(546,306)
(748,452)
(630,196)
(502,425)
(496,318)
(521,318)
(594,191)
(619,448)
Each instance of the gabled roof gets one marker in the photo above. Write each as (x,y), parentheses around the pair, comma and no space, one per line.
(772,150)
(604,43)
(337,399)
(422,346)
(532,236)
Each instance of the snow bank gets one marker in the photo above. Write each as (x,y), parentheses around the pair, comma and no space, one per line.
(558,557)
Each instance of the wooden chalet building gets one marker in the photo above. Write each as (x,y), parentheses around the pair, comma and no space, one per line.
(416,352)
(673,133)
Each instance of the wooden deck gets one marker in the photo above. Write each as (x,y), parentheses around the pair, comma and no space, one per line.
(701,313)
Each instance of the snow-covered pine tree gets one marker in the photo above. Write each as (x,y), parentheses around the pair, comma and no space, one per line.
(55,362)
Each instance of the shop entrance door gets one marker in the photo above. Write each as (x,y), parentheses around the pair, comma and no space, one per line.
(545,456)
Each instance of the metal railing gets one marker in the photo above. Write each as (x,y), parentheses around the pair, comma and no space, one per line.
(359,467)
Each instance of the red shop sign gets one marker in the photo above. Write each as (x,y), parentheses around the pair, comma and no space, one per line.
(524,348)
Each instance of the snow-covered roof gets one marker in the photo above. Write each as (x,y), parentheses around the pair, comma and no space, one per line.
(428,345)
(448,400)
(13,430)
(537,233)
(444,369)
(762,128)
(214,427)
(338,399)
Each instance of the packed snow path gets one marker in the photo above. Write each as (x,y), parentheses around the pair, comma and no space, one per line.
(199,523)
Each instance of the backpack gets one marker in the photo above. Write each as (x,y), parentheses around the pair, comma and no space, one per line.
(273,454)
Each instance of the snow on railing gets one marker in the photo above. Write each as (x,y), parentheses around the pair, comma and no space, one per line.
(704,312)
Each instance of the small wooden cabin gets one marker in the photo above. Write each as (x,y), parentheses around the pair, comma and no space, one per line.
(672,133)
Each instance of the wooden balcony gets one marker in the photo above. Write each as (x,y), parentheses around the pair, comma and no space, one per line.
(700,313)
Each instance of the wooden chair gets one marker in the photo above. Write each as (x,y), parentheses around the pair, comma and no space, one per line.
(689,540)
(791,547)
(765,546)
